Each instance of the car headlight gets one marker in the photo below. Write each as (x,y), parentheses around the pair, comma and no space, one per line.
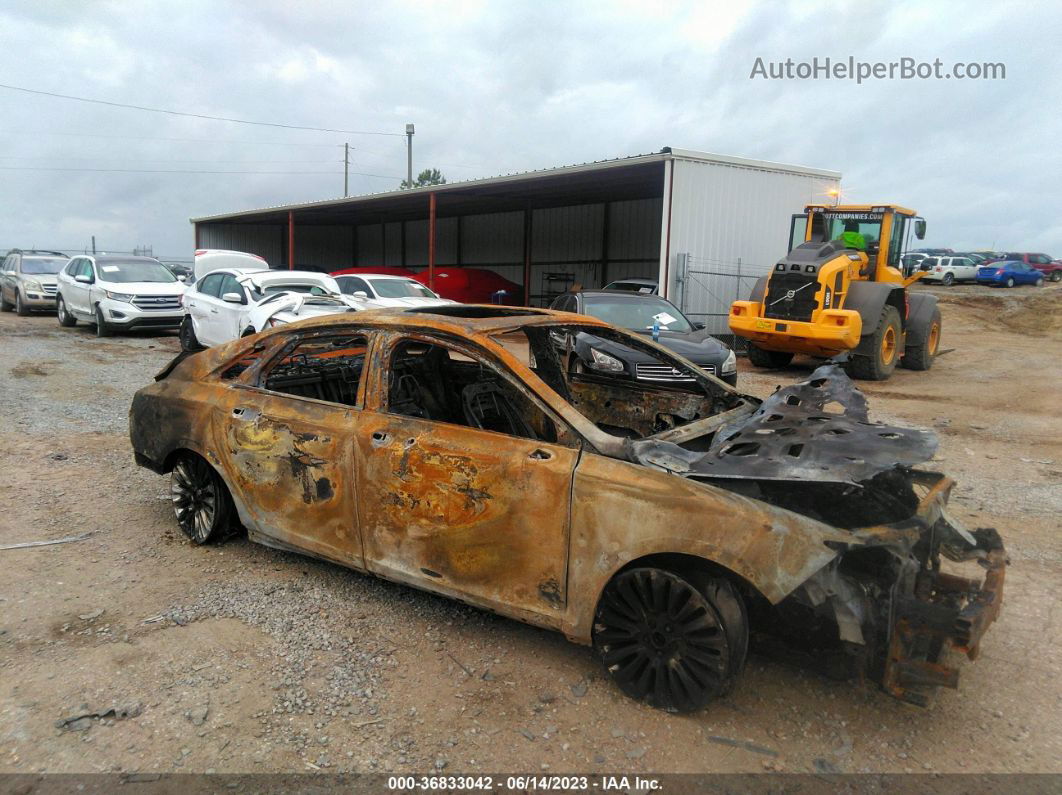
(33,284)
(730,365)
(604,362)
(127,297)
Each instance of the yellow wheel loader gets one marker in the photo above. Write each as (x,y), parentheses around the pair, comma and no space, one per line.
(841,289)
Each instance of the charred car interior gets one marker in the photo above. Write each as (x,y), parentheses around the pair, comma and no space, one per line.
(459,450)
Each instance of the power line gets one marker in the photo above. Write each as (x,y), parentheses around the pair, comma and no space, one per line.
(162,160)
(192,115)
(181,171)
(154,138)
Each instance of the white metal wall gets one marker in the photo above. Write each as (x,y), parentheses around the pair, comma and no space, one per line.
(729,221)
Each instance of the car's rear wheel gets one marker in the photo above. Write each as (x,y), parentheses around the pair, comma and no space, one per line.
(769,359)
(1010,281)
(102,329)
(675,642)
(949,279)
(65,318)
(201,502)
(20,308)
(186,334)
(4,305)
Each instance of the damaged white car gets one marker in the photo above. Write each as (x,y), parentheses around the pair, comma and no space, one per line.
(230,303)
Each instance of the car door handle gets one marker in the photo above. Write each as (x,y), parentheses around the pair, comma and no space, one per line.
(213,311)
(540,455)
(242,413)
(380,437)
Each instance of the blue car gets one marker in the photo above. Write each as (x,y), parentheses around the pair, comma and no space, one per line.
(1008,273)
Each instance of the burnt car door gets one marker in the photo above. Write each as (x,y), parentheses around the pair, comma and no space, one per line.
(464,478)
(287,437)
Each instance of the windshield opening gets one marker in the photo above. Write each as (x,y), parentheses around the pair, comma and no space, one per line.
(602,388)
(42,265)
(126,271)
(636,313)
(400,288)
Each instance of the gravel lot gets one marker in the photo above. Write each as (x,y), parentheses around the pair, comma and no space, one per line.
(237,658)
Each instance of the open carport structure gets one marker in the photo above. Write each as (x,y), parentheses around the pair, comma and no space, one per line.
(697,222)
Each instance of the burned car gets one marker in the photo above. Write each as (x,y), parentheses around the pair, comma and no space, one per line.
(448,448)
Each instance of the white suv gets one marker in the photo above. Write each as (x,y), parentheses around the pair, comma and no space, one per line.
(948,270)
(118,293)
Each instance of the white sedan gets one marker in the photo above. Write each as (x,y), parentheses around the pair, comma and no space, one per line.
(231,303)
(389,291)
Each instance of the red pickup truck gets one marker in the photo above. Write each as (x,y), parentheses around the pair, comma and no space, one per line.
(1051,269)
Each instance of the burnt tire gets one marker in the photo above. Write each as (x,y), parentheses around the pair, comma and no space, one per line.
(921,356)
(20,308)
(66,320)
(186,335)
(201,501)
(772,360)
(675,642)
(884,349)
(102,329)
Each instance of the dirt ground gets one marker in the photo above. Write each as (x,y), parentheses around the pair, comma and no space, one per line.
(237,658)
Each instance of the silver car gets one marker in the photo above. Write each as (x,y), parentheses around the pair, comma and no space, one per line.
(27,280)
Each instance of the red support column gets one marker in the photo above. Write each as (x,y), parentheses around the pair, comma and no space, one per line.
(291,240)
(431,241)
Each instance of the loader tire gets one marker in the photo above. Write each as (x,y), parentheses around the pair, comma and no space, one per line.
(772,360)
(921,356)
(884,349)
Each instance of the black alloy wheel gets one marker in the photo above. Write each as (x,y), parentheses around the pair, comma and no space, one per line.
(668,642)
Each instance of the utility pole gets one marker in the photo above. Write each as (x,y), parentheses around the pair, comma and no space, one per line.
(409,155)
(93,244)
(346,169)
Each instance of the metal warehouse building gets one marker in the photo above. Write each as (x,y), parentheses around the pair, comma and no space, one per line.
(704,225)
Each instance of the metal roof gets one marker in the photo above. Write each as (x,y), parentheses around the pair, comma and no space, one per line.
(621,178)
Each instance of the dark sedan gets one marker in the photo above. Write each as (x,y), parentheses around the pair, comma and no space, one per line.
(639,313)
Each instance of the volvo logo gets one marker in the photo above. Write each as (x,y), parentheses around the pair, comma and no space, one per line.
(789,295)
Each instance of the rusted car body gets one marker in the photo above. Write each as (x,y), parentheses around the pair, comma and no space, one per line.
(451,449)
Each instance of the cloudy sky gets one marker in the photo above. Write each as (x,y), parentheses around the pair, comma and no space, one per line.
(497,87)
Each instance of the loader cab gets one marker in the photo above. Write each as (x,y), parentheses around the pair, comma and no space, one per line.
(886,230)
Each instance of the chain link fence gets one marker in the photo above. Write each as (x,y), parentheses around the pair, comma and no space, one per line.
(707,287)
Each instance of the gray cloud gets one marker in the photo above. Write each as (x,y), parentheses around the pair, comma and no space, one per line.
(501,87)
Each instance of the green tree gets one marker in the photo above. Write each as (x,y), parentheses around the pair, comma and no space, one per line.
(429,176)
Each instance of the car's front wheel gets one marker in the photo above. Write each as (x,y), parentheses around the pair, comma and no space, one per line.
(186,333)
(20,308)
(1056,276)
(65,318)
(201,502)
(675,642)
(102,329)
(1039,282)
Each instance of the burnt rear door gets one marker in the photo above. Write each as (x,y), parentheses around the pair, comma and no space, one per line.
(464,479)
(287,444)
